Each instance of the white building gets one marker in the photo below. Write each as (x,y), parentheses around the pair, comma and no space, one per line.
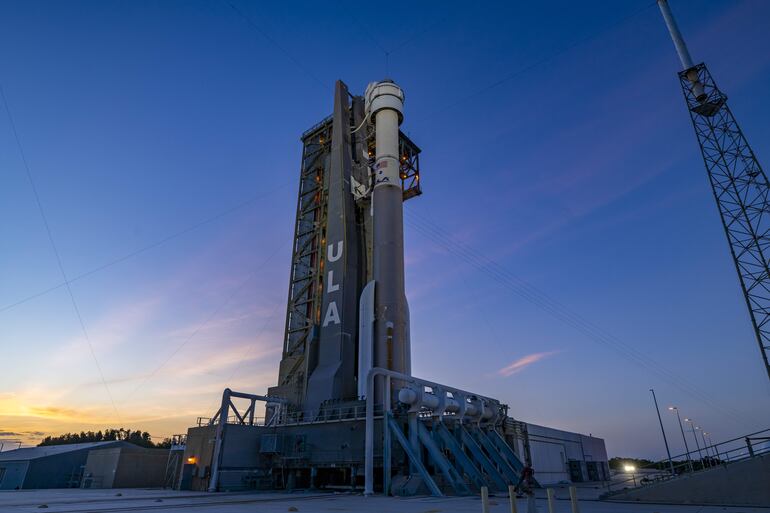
(563,457)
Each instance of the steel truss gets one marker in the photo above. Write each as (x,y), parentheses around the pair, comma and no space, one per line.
(304,305)
(741,190)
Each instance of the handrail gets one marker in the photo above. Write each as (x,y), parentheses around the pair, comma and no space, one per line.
(694,461)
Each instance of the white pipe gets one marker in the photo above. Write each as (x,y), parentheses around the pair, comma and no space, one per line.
(365,335)
(479,408)
(429,401)
(676,36)
(369,428)
(681,50)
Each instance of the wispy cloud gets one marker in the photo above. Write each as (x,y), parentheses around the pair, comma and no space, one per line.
(523,362)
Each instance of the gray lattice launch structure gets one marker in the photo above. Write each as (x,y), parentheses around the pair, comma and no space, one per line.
(346,410)
(739,184)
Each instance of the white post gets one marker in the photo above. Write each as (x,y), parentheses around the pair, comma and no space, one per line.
(573,499)
(551,501)
(512,497)
(484,499)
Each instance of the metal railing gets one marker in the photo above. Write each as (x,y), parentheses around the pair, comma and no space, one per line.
(339,414)
(697,460)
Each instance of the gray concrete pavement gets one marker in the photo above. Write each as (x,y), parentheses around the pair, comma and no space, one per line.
(162,501)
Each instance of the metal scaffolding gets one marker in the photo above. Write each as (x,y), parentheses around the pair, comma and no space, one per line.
(741,191)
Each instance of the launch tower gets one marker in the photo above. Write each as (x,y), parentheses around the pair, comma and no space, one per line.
(347,308)
(346,410)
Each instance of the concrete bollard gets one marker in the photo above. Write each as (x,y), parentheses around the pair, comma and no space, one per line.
(512,497)
(484,499)
(551,500)
(573,499)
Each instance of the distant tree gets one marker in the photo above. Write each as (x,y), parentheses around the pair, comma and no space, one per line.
(137,437)
(164,444)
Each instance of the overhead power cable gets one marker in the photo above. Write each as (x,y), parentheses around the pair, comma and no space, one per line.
(148,247)
(246,353)
(515,74)
(540,299)
(208,319)
(56,250)
(400,46)
(275,43)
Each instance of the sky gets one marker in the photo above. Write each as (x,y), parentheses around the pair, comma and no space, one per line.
(163,142)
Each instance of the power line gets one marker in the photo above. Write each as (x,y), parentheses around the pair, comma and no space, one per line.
(400,46)
(275,43)
(406,42)
(210,317)
(55,250)
(246,353)
(540,299)
(544,60)
(148,247)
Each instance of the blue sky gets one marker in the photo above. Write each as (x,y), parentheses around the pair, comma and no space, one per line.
(555,143)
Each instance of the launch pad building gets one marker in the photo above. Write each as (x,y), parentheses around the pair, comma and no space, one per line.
(346,410)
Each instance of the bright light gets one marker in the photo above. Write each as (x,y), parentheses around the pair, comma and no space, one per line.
(191,459)
(672,408)
(629,468)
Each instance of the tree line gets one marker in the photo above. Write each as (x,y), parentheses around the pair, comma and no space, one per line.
(136,437)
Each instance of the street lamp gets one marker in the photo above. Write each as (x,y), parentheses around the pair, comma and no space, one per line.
(697,444)
(665,441)
(711,443)
(684,439)
(705,446)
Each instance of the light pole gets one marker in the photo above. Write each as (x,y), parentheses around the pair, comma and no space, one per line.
(692,427)
(684,439)
(705,446)
(665,441)
(711,443)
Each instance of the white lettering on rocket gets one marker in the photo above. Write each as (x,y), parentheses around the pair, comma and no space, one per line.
(330,256)
(332,315)
(330,285)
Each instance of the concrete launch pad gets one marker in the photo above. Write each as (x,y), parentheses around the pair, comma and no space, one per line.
(160,501)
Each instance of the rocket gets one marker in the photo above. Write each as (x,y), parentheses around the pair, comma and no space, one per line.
(389,346)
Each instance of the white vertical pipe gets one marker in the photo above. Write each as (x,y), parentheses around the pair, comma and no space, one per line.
(365,335)
(676,36)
